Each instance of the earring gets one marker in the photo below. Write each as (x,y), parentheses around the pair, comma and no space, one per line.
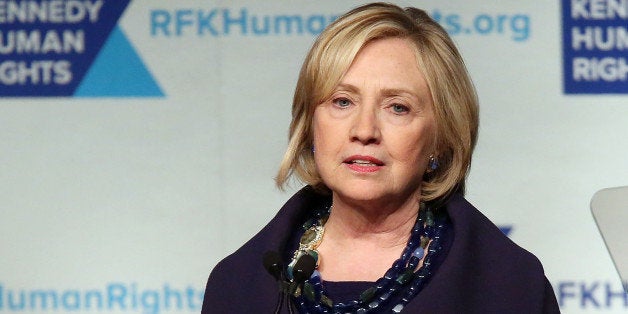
(313,149)
(433,163)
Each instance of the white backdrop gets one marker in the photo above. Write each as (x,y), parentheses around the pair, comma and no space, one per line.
(124,204)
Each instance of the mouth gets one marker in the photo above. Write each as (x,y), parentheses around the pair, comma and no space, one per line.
(363,161)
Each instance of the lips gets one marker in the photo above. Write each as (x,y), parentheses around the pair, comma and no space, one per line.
(363,163)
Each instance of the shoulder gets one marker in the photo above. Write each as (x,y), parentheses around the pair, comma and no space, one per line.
(240,276)
(239,283)
(484,271)
(475,233)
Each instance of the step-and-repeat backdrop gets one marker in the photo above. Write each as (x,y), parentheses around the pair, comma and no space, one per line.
(139,139)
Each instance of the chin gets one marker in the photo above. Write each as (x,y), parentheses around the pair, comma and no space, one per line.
(362,193)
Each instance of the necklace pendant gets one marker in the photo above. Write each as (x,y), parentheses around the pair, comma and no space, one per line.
(312,237)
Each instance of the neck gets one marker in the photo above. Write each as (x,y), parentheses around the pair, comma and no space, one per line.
(360,243)
(380,221)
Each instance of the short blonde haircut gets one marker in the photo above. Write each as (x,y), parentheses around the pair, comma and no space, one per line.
(453,95)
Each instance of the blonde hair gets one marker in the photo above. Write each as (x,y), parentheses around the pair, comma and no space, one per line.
(453,95)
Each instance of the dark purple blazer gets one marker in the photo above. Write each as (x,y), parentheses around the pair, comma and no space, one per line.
(483,271)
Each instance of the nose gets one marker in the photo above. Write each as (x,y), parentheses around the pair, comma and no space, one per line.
(365,128)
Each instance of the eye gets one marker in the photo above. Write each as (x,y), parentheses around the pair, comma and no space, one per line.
(399,109)
(342,102)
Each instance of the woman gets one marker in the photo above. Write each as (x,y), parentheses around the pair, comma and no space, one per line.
(384,122)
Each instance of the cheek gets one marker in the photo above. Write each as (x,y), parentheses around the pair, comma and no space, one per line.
(414,147)
(316,132)
(320,143)
(324,134)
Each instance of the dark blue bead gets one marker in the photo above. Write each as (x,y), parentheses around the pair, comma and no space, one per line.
(391,273)
(373,305)
(397,308)
(409,295)
(316,276)
(398,264)
(384,296)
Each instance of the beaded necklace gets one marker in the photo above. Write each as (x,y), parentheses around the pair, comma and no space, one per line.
(394,290)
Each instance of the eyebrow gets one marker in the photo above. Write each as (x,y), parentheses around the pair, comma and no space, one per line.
(386,91)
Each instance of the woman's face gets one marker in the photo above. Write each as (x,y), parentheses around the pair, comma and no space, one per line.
(374,135)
